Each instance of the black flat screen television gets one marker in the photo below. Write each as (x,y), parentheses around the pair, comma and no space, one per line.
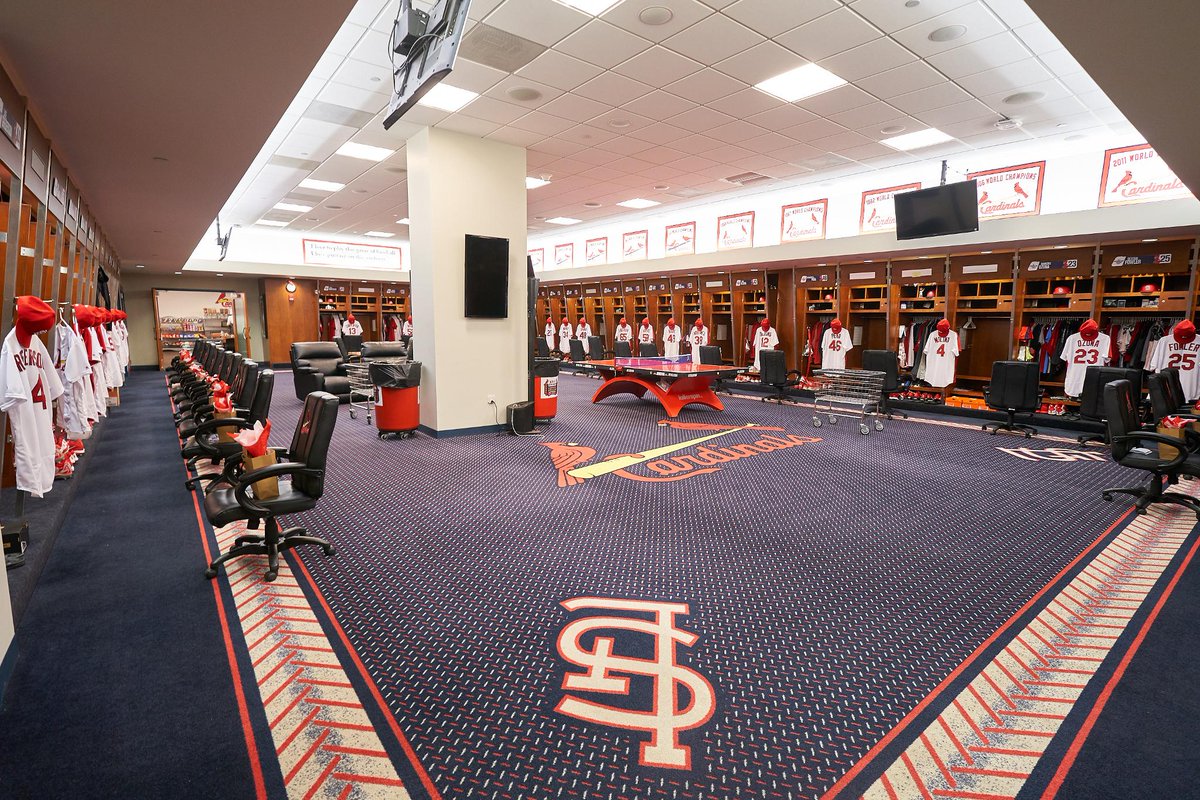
(486,277)
(939,211)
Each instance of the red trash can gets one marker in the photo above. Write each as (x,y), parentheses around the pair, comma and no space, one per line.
(397,410)
(545,388)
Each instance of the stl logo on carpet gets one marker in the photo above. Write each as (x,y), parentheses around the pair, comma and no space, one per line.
(645,691)
(569,457)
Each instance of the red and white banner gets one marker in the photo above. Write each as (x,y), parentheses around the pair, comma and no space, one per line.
(633,245)
(564,256)
(1137,174)
(595,251)
(803,221)
(877,212)
(735,230)
(537,256)
(681,239)
(1010,191)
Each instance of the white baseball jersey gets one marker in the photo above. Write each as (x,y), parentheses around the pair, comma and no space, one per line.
(834,347)
(71,364)
(112,367)
(549,334)
(940,352)
(28,387)
(564,338)
(407,328)
(698,337)
(671,337)
(582,332)
(1173,355)
(352,328)
(99,380)
(645,334)
(625,333)
(764,340)
(1080,354)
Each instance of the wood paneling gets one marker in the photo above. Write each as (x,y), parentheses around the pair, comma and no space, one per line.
(291,317)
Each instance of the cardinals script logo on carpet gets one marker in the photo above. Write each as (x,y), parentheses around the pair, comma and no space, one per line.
(570,458)
(634,653)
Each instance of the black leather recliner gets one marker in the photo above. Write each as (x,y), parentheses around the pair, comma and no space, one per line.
(372,350)
(318,367)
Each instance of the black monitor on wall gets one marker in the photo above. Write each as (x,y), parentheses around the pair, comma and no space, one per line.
(938,211)
(486,278)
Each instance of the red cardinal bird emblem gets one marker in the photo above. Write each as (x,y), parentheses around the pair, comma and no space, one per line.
(983,198)
(1017,188)
(874,212)
(565,456)
(1126,178)
(814,219)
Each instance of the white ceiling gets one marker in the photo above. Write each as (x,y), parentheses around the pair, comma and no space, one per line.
(682,94)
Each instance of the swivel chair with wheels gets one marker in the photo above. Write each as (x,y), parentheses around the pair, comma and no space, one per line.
(1013,390)
(773,374)
(245,385)
(1091,398)
(350,346)
(647,350)
(888,363)
(596,348)
(304,461)
(205,442)
(711,354)
(577,353)
(621,350)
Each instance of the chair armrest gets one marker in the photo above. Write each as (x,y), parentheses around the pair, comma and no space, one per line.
(300,363)
(305,369)
(247,479)
(339,369)
(216,423)
(1160,438)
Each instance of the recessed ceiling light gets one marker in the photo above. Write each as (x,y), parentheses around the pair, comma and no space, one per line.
(638,202)
(540,219)
(892,130)
(139,266)
(524,94)
(178,273)
(1060,247)
(563,220)
(534,183)
(912,3)
(1075,137)
(322,186)
(1024,97)
(359,191)
(656,15)
(917,139)
(397,170)
(801,82)
(380,234)
(661,187)
(593,7)
(985,252)
(619,123)
(1149,240)
(310,219)
(335,208)
(447,98)
(220,274)
(948,33)
(1007,124)
(376,79)
(271,223)
(591,204)
(402,221)
(292,207)
(364,151)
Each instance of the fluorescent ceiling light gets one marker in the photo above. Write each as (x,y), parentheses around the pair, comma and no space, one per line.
(380,234)
(534,183)
(447,98)
(402,221)
(801,82)
(563,220)
(322,186)
(364,151)
(272,223)
(917,139)
(639,202)
(593,7)
(292,207)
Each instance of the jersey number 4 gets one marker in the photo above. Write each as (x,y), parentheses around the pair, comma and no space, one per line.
(39,394)
(1083,356)
(941,351)
(1183,361)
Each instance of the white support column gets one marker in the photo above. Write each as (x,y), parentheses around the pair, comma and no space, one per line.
(459,185)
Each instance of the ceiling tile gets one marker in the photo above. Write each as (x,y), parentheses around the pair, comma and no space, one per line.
(1013,13)
(842,98)
(840,141)
(956,112)
(997,137)
(892,15)
(705,86)
(784,116)
(1080,83)
(658,66)
(544,124)
(481,8)
(797,153)
(345,39)
(871,150)
(1060,62)
(994,51)
(626,119)
(969,127)
(557,69)
(558,147)
(828,35)
(360,74)
(693,163)
(785,170)
(904,123)
(1038,38)
(901,80)
(613,89)
(746,103)
(979,21)
(700,119)
(771,17)
(868,59)
(602,44)
(660,133)
(574,107)
(511,83)
(1011,76)
(588,135)
(684,13)
(937,96)
(713,39)
(541,21)
(492,110)
(659,104)
(352,97)
(871,114)
(816,129)
(736,131)
(757,163)
(1052,90)
(765,60)
(1061,108)
(767,143)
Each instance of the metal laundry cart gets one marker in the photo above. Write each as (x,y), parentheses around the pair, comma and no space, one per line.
(857,391)
(362,391)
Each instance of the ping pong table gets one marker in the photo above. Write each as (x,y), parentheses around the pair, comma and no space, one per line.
(674,380)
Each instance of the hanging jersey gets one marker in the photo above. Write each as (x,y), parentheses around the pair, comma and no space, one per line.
(582,332)
(697,337)
(645,335)
(1183,357)
(834,347)
(352,328)
(71,364)
(940,352)
(625,333)
(29,385)
(764,340)
(564,338)
(549,334)
(406,329)
(671,337)
(1080,354)
(99,381)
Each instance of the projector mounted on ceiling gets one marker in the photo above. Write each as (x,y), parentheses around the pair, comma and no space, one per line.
(429,44)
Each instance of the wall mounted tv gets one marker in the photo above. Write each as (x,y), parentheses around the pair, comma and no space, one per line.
(428,43)
(486,277)
(939,211)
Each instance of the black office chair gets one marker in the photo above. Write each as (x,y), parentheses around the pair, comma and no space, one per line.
(596,348)
(349,346)
(200,392)
(1091,397)
(647,350)
(1138,449)
(543,349)
(711,354)
(621,350)
(888,363)
(773,374)
(1013,390)
(1171,392)
(304,461)
(577,353)
(205,442)
(241,393)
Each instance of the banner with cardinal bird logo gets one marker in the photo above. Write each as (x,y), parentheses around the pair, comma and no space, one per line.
(1010,191)
(1137,174)
(735,230)
(877,213)
(802,222)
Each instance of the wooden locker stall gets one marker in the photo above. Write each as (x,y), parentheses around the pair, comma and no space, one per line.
(749,298)
(555,305)
(864,307)
(660,303)
(636,304)
(333,301)
(364,303)
(573,296)
(614,308)
(816,290)
(393,303)
(1055,290)
(8,229)
(917,301)
(593,310)
(980,298)
(1144,282)
(781,305)
(685,299)
(716,307)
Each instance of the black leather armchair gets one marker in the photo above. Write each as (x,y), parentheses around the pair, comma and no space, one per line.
(1013,390)
(1140,449)
(372,350)
(318,367)
(773,374)
(1091,397)
(304,461)
(205,441)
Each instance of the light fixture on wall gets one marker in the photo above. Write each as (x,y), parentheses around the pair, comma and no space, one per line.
(290,287)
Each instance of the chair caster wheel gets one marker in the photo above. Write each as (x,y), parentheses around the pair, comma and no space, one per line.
(1108,497)
(983,427)
(1029,436)
(353,415)
(329,550)
(210,573)
(269,575)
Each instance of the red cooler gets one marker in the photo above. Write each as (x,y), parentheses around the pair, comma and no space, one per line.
(545,388)
(397,410)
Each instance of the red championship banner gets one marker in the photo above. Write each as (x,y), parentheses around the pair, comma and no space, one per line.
(633,245)
(536,257)
(735,230)
(681,239)
(1010,191)
(878,212)
(803,221)
(1137,174)
(595,251)
(564,256)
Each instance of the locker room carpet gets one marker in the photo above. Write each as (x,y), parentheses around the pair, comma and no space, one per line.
(833,584)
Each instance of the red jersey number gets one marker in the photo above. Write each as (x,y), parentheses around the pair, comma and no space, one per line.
(835,344)
(1087,356)
(1183,361)
(39,394)
(941,351)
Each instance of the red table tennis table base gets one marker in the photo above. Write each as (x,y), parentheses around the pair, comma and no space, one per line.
(683,391)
